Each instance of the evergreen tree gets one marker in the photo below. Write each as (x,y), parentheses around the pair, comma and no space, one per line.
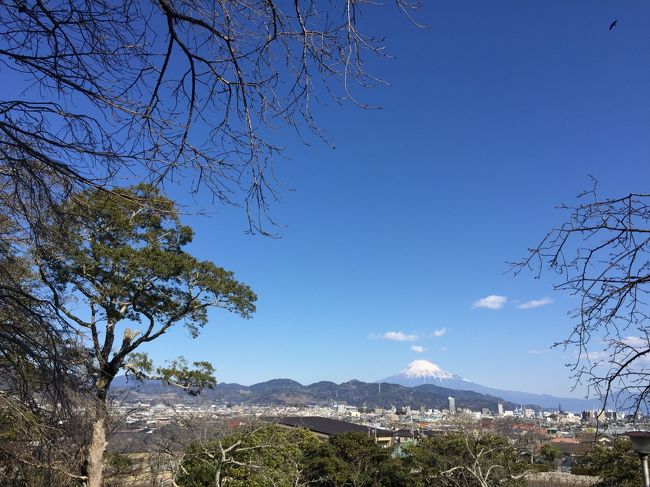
(119,275)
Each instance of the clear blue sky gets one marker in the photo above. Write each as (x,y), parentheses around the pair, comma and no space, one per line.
(497,112)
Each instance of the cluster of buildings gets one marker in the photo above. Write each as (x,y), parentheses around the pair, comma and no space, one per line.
(556,423)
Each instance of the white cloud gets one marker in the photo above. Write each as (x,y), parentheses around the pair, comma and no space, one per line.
(418,348)
(632,345)
(596,356)
(493,301)
(534,303)
(396,336)
(439,332)
(636,342)
(537,351)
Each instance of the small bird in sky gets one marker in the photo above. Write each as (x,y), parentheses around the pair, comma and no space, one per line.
(613,24)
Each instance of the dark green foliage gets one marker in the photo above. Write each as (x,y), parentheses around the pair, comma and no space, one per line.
(279,457)
(466,460)
(268,455)
(125,251)
(122,255)
(549,454)
(354,459)
(617,465)
(177,373)
(272,455)
(193,380)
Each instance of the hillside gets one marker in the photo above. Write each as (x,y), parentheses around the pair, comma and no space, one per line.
(289,392)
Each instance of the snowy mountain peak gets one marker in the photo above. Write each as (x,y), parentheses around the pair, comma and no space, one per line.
(422,372)
(423,368)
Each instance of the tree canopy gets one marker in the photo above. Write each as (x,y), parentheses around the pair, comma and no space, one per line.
(355,459)
(616,465)
(269,455)
(250,457)
(121,255)
(467,459)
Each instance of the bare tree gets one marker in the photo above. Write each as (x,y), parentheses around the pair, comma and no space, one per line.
(40,446)
(41,379)
(601,254)
(162,90)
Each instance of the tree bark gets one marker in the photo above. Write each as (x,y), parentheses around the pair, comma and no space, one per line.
(95,458)
(97,446)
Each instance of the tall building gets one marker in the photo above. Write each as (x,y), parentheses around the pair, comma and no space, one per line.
(452,404)
(500,409)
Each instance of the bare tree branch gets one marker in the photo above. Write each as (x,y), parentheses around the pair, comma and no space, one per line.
(601,254)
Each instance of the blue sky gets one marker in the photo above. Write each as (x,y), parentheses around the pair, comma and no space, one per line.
(497,112)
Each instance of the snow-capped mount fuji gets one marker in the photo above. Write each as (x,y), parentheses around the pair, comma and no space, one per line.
(421,372)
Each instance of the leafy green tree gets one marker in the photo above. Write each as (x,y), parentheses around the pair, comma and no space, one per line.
(465,459)
(250,457)
(617,465)
(355,459)
(119,268)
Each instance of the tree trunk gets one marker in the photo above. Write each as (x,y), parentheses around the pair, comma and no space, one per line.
(95,458)
(97,447)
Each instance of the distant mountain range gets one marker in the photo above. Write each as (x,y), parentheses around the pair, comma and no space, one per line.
(421,372)
(422,383)
(289,392)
